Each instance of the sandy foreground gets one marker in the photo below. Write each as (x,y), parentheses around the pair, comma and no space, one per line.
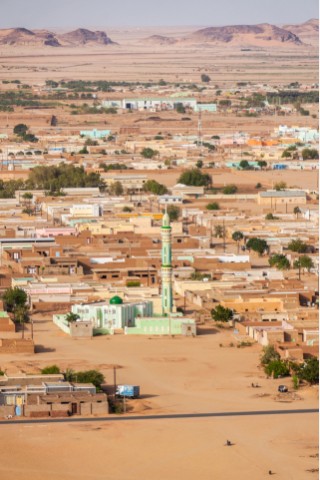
(176,375)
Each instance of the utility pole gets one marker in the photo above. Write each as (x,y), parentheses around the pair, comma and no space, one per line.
(115,379)
(200,129)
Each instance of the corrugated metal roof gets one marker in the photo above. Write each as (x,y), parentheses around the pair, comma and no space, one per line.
(283,193)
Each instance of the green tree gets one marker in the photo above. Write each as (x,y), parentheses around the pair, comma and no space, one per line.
(245,165)
(296,211)
(298,246)
(21,315)
(230,189)
(155,187)
(149,153)
(84,151)
(29,137)
(200,276)
(279,261)
(205,78)
(127,209)
(262,164)
(55,178)
(237,237)
(309,371)
(286,154)
(213,206)
(270,216)
(304,262)
(257,245)
(27,196)
(277,368)
(269,355)
(20,129)
(199,164)
(173,212)
(90,376)
(280,186)
(180,108)
(194,177)
(219,231)
(72,317)
(116,189)
(225,103)
(91,143)
(310,154)
(221,314)
(13,298)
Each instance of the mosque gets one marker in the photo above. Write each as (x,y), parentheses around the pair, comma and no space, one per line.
(136,318)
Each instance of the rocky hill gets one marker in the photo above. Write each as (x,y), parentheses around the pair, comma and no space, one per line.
(82,36)
(261,35)
(308,31)
(24,37)
(160,40)
(76,38)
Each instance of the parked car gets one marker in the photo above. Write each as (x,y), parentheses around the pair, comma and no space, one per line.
(282,388)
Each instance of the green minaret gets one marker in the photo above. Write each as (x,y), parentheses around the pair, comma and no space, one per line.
(166,267)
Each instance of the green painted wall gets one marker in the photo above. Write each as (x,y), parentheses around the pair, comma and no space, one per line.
(158,326)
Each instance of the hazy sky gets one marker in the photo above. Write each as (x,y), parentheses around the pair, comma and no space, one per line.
(106,13)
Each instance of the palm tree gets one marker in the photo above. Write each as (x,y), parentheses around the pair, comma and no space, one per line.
(72,317)
(21,315)
(296,211)
(237,237)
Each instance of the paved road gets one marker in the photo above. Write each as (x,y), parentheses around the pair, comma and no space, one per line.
(158,417)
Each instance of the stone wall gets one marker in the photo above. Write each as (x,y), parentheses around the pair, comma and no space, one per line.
(11,345)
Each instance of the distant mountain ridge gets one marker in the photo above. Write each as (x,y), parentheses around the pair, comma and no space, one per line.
(79,37)
(308,31)
(260,35)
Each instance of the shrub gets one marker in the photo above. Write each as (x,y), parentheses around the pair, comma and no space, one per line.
(295,381)
(51,369)
(277,368)
(213,206)
(133,283)
(230,189)
(173,212)
(309,371)
(270,216)
(269,354)
(149,153)
(205,78)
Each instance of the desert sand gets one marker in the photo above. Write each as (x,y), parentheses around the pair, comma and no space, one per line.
(177,375)
(135,59)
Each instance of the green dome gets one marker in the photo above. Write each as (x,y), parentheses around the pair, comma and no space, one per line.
(116,300)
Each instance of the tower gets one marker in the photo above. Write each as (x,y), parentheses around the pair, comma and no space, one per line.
(166,267)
